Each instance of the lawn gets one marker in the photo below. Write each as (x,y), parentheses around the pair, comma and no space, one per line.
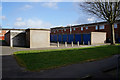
(36,60)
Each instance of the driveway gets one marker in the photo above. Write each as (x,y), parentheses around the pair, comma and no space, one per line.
(10,68)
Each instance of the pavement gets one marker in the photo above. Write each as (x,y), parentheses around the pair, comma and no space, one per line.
(6,50)
(10,68)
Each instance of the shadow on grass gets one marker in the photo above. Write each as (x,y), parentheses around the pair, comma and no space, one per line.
(36,60)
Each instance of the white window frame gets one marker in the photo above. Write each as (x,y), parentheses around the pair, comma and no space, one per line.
(70,29)
(74,29)
(81,28)
(101,27)
(61,30)
(115,25)
(64,29)
(96,27)
(86,28)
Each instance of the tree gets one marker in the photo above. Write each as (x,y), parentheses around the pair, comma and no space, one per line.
(109,11)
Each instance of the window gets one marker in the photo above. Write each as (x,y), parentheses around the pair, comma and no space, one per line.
(64,29)
(61,30)
(74,29)
(0,31)
(115,25)
(70,29)
(101,26)
(81,28)
(96,27)
(86,27)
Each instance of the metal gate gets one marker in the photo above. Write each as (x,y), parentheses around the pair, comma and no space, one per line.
(78,38)
(86,38)
(60,38)
(70,38)
(65,38)
(55,38)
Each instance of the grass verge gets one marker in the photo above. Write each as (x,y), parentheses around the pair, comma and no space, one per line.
(36,60)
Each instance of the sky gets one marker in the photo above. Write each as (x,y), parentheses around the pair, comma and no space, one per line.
(46,15)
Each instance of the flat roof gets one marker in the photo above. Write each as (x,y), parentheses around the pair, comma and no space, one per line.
(10,29)
(25,29)
(90,24)
(38,29)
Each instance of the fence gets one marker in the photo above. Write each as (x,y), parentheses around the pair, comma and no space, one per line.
(65,38)
(119,40)
(78,38)
(70,38)
(60,38)
(86,38)
(82,38)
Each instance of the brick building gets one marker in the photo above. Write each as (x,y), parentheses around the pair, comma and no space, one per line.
(87,28)
(2,34)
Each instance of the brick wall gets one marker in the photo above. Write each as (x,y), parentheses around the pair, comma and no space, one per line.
(77,30)
(2,34)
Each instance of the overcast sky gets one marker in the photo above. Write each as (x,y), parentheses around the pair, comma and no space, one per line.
(43,14)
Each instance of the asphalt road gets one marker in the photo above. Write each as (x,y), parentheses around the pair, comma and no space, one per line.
(10,68)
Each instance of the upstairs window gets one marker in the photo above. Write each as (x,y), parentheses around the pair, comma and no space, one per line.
(70,29)
(101,26)
(64,29)
(115,25)
(61,30)
(96,27)
(74,29)
(86,27)
(81,28)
